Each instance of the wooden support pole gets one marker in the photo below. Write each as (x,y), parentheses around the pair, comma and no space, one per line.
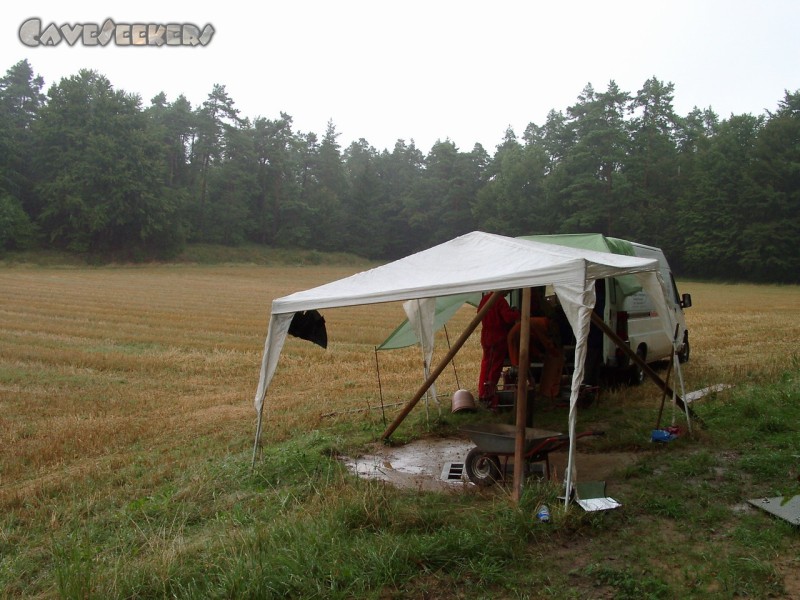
(443,364)
(522,395)
(666,378)
(664,395)
(644,366)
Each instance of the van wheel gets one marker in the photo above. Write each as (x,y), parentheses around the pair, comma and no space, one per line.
(637,373)
(683,355)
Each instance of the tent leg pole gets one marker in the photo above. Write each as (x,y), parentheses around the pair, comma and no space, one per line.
(679,380)
(663,398)
(258,436)
(380,387)
(522,396)
(442,365)
(447,337)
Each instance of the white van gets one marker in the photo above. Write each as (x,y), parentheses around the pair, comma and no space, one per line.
(635,320)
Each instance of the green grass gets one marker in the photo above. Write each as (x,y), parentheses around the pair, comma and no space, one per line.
(299,526)
(201,254)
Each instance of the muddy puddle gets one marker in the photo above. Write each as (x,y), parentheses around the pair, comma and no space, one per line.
(432,464)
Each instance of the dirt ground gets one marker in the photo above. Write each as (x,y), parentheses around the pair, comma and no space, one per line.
(421,464)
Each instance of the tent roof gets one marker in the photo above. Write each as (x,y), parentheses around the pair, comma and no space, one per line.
(473,262)
(404,335)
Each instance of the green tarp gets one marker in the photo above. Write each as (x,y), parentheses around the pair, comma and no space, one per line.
(587,241)
(446,307)
(627,284)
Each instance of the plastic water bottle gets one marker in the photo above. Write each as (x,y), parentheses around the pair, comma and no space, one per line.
(543,514)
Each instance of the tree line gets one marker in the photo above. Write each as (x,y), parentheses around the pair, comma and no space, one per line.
(89,169)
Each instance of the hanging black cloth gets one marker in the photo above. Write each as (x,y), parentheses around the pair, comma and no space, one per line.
(309,325)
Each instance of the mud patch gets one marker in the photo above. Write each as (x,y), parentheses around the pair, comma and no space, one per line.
(416,465)
(419,464)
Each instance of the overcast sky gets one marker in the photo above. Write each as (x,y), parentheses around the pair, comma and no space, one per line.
(384,70)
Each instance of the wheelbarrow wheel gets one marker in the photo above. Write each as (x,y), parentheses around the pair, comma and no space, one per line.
(482,469)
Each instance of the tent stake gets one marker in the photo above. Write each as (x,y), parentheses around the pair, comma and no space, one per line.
(443,364)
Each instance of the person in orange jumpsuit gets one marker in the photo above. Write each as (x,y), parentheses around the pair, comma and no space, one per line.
(544,344)
(494,331)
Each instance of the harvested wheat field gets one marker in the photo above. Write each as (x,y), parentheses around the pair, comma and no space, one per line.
(100,363)
(97,363)
(119,383)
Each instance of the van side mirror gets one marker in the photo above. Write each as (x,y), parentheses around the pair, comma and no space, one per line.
(686,301)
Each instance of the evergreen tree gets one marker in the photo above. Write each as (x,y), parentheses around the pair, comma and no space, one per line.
(325,190)
(399,171)
(556,138)
(512,200)
(652,166)
(363,234)
(719,201)
(232,186)
(175,124)
(592,188)
(769,246)
(214,120)
(20,101)
(278,155)
(101,172)
(86,168)
(442,202)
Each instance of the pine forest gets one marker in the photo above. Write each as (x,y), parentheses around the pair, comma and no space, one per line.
(89,169)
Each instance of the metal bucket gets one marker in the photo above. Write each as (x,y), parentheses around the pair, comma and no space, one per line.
(463,400)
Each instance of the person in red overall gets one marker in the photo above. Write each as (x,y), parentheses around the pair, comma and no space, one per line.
(494,331)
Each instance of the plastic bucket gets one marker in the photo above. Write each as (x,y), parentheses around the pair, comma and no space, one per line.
(463,400)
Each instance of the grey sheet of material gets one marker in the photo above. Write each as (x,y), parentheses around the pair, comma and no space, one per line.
(697,394)
(788,510)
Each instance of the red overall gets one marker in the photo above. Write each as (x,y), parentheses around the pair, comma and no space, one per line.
(494,331)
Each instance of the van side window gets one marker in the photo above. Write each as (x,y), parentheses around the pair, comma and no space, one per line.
(676,297)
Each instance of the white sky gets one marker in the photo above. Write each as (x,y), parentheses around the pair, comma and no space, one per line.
(433,69)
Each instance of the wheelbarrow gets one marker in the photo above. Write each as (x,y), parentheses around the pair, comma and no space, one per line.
(494,441)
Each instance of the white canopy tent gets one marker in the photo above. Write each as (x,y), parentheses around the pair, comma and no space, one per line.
(474,262)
